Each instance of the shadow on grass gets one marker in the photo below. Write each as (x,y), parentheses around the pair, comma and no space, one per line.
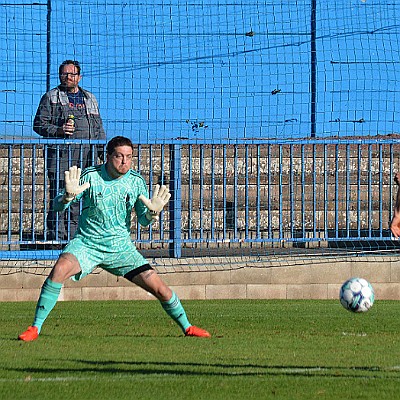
(218,369)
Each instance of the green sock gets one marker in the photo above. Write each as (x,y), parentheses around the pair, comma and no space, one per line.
(47,300)
(175,310)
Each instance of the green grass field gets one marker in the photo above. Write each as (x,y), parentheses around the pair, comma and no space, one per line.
(259,350)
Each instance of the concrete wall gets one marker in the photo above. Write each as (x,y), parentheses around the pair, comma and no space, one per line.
(233,278)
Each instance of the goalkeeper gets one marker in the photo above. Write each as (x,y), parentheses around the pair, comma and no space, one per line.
(109,193)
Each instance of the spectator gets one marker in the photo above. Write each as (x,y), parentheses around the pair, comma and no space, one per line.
(67,112)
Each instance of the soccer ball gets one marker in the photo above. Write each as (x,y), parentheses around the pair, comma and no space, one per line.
(357,295)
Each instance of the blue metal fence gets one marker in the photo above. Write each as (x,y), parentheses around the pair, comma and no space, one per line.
(247,192)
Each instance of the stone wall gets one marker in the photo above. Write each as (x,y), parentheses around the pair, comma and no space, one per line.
(287,278)
(295,187)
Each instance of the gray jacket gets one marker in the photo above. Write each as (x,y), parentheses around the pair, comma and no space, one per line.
(52,113)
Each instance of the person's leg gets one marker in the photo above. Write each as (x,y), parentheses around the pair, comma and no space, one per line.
(51,219)
(66,266)
(62,226)
(73,220)
(146,278)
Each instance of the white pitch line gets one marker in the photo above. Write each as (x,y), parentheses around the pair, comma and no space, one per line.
(99,377)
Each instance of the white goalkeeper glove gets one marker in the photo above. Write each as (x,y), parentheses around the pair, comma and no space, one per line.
(72,188)
(160,198)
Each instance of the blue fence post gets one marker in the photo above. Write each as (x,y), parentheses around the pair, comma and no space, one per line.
(175,205)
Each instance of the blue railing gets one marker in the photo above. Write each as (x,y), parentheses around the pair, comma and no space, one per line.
(280,193)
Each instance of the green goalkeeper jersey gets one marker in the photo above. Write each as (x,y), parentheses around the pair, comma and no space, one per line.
(107,206)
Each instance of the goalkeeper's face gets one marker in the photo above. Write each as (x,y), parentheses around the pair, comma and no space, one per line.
(119,162)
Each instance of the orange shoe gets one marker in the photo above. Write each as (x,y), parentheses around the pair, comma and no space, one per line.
(30,334)
(195,331)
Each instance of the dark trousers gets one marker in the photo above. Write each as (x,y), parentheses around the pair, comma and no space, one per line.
(60,225)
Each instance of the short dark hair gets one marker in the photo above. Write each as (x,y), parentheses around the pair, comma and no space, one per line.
(69,62)
(118,141)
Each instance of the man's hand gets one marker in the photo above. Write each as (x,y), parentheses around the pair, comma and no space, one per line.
(72,188)
(66,129)
(69,128)
(161,196)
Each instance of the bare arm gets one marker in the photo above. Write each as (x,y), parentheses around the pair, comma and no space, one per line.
(395,223)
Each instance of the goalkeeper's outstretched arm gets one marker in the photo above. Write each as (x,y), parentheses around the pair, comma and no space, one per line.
(72,189)
(395,223)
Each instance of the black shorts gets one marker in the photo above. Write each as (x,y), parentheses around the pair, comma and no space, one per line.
(131,274)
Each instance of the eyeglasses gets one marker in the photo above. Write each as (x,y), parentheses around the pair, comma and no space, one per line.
(65,74)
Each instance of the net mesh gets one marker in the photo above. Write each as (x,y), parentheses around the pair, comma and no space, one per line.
(273,122)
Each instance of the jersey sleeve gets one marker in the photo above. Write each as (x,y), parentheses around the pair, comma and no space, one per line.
(140,208)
